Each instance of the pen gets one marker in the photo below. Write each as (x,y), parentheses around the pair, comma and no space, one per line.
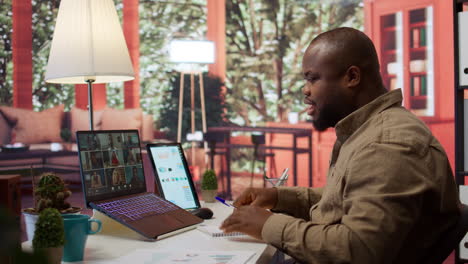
(224,202)
(282,178)
(284,171)
(280,182)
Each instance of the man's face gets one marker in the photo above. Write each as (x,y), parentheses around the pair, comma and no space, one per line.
(324,90)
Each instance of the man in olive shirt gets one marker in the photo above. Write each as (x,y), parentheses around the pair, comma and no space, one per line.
(390,191)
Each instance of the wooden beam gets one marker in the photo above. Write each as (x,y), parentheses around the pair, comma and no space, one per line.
(22,53)
(132,37)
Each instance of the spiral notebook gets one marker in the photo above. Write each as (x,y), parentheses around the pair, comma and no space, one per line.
(214,231)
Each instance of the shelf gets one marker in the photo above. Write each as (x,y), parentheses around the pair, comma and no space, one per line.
(389,29)
(460,115)
(418,24)
(418,73)
(404,38)
(418,97)
(419,49)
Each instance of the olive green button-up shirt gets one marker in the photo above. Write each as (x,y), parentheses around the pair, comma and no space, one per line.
(390,193)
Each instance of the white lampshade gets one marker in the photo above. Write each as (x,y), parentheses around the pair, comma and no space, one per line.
(88,43)
(191,51)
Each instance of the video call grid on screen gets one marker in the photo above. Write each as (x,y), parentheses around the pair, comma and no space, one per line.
(110,162)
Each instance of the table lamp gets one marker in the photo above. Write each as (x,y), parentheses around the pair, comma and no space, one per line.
(191,52)
(88,47)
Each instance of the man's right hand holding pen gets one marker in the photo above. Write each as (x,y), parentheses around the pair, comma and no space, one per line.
(252,209)
(261,197)
(251,213)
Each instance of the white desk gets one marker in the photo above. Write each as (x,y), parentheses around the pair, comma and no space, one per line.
(116,240)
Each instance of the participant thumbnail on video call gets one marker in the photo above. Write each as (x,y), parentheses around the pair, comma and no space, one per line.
(110,162)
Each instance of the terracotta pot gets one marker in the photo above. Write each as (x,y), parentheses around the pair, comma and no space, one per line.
(67,146)
(209,195)
(54,255)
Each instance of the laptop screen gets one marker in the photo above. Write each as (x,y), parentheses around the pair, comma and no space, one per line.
(110,163)
(172,174)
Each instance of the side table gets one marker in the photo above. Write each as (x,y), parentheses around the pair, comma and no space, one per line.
(42,160)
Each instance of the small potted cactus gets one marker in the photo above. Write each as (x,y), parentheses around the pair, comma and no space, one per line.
(49,236)
(209,186)
(50,192)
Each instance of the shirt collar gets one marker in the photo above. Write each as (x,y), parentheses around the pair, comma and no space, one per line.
(348,125)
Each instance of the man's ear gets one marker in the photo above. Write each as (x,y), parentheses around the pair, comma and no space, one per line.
(353,76)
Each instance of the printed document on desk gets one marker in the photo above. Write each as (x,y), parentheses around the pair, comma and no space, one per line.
(185,256)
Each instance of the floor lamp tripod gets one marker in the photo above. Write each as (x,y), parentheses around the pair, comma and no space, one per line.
(192,109)
(192,54)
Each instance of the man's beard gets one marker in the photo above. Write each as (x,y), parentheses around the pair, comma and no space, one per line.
(328,117)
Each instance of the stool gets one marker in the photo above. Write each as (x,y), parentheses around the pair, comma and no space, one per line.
(261,154)
(10,193)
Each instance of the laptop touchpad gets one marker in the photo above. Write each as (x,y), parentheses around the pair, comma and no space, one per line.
(159,224)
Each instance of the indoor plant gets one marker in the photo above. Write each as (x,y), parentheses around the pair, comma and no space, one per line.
(66,136)
(209,186)
(215,105)
(50,192)
(50,235)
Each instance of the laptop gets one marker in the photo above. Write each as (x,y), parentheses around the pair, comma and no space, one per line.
(172,174)
(114,183)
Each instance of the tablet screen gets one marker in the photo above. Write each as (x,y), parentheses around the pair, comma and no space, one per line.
(173,175)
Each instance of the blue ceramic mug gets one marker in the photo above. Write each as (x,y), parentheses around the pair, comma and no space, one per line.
(77,229)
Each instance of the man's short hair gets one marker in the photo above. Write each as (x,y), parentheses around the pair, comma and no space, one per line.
(351,47)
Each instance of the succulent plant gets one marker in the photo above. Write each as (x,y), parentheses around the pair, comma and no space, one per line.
(49,230)
(51,192)
(65,134)
(209,180)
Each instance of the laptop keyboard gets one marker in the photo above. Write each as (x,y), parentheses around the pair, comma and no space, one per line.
(137,207)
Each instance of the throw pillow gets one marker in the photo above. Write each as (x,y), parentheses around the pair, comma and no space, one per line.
(4,131)
(122,119)
(80,120)
(30,127)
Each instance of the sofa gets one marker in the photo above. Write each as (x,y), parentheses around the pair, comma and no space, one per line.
(42,128)
(39,129)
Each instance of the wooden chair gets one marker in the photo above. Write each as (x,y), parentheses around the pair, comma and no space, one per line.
(449,240)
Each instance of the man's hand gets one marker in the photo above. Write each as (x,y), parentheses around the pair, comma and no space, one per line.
(248,220)
(262,197)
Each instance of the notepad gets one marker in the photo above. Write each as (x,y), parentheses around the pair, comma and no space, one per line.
(214,231)
(152,256)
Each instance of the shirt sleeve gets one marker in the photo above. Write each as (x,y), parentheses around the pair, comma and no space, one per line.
(381,198)
(293,200)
